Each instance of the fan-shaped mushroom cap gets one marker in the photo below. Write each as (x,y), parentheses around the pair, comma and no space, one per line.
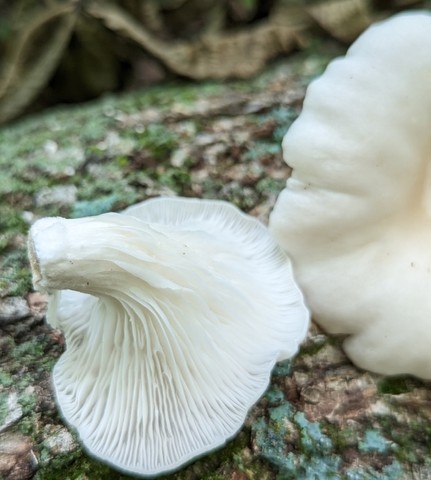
(356,213)
(176,313)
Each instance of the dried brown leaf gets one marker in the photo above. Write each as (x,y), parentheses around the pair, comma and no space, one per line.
(343,19)
(23,78)
(121,22)
(240,54)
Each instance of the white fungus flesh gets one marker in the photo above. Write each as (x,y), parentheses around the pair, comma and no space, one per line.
(355,215)
(174,314)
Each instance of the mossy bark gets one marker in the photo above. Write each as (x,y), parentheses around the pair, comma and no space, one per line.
(321,417)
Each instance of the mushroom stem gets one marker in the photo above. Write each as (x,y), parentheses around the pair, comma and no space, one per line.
(85,254)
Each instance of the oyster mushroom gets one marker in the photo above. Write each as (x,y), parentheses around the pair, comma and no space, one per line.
(355,215)
(174,314)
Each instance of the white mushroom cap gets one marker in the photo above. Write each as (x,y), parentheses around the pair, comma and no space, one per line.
(176,312)
(356,213)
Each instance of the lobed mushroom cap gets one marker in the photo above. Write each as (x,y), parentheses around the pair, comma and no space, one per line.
(175,313)
(355,215)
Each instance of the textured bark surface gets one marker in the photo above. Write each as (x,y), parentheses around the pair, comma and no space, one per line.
(321,417)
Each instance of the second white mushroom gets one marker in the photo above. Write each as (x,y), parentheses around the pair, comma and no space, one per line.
(174,314)
(355,215)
